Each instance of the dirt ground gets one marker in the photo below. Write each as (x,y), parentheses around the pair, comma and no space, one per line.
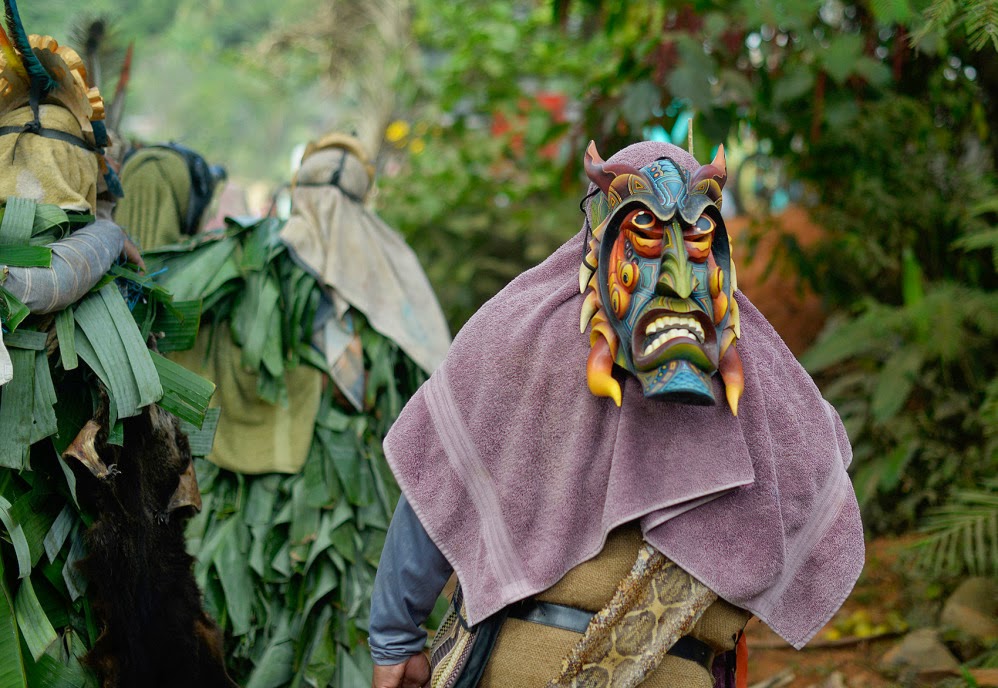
(880,591)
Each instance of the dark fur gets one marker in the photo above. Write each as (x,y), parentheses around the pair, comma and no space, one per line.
(154,632)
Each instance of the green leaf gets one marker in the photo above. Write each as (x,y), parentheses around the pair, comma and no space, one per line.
(891,11)
(16,534)
(185,394)
(52,672)
(26,339)
(840,58)
(252,319)
(276,666)
(12,311)
(797,81)
(17,399)
(44,421)
(26,256)
(234,574)
(18,219)
(65,329)
(61,527)
(11,660)
(48,216)
(35,513)
(100,346)
(34,624)
(76,584)
(178,325)
(875,72)
(143,370)
(201,440)
(191,274)
(894,383)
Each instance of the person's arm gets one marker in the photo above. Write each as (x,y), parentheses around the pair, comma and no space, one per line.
(411,574)
(78,263)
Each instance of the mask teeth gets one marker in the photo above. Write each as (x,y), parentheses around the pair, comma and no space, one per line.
(599,372)
(585,274)
(589,308)
(736,323)
(733,376)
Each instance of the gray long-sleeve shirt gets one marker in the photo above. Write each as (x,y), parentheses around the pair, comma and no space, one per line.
(410,577)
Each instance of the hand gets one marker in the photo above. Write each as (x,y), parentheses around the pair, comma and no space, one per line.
(413,673)
(132,254)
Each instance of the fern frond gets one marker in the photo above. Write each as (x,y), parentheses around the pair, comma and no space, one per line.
(962,536)
(981,23)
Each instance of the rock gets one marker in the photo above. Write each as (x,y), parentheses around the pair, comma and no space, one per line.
(920,652)
(834,680)
(972,609)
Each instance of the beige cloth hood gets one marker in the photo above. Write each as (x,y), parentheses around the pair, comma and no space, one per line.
(359,260)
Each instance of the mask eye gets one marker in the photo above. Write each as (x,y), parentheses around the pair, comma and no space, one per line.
(642,219)
(628,275)
(644,231)
(620,300)
(703,225)
(699,238)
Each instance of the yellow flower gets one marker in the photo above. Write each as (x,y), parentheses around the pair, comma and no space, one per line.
(417,146)
(397,131)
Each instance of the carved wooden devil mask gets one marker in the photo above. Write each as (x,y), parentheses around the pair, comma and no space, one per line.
(659,281)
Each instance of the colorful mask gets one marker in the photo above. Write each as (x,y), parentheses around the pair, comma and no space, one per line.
(659,281)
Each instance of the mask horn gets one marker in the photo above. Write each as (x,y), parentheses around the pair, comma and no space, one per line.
(600,173)
(596,170)
(721,166)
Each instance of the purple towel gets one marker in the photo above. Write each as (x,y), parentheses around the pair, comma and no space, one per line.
(518,473)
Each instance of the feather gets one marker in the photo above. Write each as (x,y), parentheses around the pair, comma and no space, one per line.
(89,38)
(117,108)
(10,57)
(37,74)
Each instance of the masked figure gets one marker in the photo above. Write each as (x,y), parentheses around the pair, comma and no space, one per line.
(619,536)
(317,329)
(88,454)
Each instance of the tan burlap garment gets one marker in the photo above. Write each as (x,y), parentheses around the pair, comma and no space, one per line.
(157,187)
(253,435)
(361,262)
(530,655)
(44,169)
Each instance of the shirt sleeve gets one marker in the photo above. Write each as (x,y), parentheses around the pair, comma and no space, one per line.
(411,574)
(78,263)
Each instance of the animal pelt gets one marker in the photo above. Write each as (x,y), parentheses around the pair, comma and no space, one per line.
(154,631)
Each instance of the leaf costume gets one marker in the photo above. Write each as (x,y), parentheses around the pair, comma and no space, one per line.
(297,496)
(97,477)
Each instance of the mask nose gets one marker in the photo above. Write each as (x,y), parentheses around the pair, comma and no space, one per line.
(675,277)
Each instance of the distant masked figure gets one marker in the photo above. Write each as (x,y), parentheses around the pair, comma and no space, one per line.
(316,330)
(170,189)
(360,262)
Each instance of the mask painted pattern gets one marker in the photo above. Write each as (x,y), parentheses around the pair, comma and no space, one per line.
(659,281)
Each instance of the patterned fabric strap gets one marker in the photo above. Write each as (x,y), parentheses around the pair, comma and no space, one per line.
(654,606)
